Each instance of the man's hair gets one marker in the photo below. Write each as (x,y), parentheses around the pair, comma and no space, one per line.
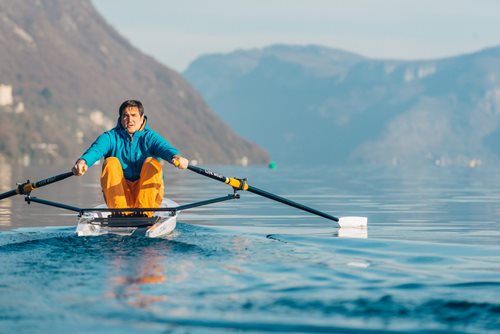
(131,104)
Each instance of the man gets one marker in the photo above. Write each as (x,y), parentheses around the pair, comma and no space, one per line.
(131,174)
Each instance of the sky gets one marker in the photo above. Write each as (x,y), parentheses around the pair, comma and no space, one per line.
(177,32)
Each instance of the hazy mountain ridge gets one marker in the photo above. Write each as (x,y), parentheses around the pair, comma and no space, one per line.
(339,107)
(70,71)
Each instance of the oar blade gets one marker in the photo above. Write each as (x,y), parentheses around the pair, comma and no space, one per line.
(353,222)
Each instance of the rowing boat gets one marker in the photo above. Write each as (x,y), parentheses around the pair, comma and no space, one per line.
(102,220)
(96,223)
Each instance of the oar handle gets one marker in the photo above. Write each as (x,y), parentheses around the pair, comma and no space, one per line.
(239,184)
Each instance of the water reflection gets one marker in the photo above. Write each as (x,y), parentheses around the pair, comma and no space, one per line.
(5,176)
(6,203)
(6,212)
(282,229)
(346,232)
(131,274)
(141,275)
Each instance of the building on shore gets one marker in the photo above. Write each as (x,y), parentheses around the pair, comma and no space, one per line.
(6,98)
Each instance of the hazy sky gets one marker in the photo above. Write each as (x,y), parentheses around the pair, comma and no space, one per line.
(176,32)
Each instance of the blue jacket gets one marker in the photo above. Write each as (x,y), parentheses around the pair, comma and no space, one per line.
(131,151)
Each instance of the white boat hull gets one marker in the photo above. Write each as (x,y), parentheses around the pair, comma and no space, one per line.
(90,224)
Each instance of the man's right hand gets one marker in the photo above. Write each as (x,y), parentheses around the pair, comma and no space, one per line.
(80,167)
(180,162)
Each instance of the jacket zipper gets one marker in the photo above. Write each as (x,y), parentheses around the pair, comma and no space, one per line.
(130,154)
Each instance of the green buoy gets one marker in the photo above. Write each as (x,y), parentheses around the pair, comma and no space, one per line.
(272,165)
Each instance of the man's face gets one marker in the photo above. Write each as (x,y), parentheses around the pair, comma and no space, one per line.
(131,119)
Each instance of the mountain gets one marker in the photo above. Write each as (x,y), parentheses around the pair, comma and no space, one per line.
(64,71)
(311,104)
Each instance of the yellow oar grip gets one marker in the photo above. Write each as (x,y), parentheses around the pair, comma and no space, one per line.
(235,183)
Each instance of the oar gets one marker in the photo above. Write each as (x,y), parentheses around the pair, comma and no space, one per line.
(27,187)
(242,185)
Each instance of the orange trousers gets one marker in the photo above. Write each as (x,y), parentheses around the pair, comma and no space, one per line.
(146,192)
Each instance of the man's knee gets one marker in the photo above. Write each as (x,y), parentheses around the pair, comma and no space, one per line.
(112,166)
(112,162)
(152,163)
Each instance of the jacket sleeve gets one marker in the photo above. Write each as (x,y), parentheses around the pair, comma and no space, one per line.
(162,148)
(100,147)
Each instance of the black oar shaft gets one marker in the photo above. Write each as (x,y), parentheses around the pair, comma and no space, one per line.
(51,179)
(27,187)
(240,184)
(208,173)
(8,194)
(291,203)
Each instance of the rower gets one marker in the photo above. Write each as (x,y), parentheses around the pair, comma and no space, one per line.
(132,175)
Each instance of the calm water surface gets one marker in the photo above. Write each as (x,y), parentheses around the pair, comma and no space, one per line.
(428,263)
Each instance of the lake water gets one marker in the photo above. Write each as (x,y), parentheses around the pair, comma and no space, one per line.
(429,261)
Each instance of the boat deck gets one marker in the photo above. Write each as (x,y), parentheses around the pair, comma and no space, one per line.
(125,221)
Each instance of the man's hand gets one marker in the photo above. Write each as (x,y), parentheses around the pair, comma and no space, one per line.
(80,167)
(180,162)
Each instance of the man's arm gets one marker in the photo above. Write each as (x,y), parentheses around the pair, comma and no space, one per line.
(167,152)
(96,151)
